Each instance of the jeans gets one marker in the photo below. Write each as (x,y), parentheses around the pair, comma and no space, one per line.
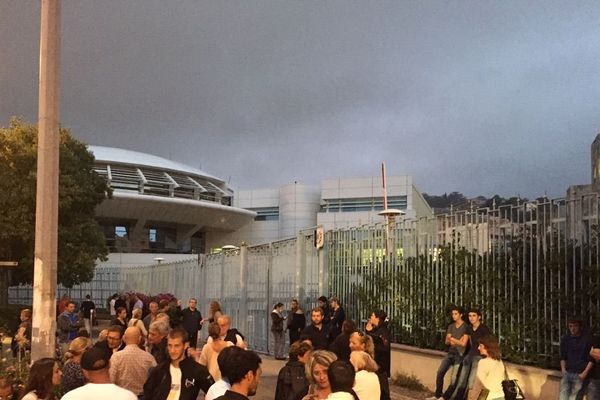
(452,360)
(465,379)
(594,389)
(570,386)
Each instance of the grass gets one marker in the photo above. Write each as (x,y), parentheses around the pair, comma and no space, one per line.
(410,382)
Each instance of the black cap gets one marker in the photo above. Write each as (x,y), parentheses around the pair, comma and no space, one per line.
(94,359)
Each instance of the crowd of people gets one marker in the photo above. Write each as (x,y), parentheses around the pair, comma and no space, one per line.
(154,352)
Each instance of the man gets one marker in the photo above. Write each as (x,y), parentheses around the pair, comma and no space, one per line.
(575,364)
(317,332)
(229,334)
(88,309)
(455,337)
(243,374)
(129,367)
(341,376)
(99,386)
(337,318)
(474,332)
(157,341)
(137,302)
(324,305)
(68,325)
(296,321)
(192,321)
(222,385)
(113,342)
(291,380)
(179,378)
(151,317)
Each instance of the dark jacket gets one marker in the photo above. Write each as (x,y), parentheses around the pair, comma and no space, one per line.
(194,377)
(575,351)
(159,351)
(296,322)
(318,337)
(291,381)
(341,346)
(382,341)
(231,336)
(67,325)
(337,319)
(276,321)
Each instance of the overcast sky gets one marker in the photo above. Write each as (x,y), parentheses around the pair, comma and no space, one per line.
(481,97)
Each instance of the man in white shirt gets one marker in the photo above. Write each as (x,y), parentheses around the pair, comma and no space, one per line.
(341,376)
(224,361)
(95,369)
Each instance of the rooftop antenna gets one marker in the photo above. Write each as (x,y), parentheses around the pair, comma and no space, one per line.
(389,214)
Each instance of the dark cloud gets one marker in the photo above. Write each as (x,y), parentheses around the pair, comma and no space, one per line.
(481,97)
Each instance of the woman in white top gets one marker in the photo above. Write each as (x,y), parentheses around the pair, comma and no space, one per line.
(366,383)
(211,350)
(44,376)
(136,320)
(490,370)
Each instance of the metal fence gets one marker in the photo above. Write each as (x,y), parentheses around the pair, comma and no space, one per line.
(526,266)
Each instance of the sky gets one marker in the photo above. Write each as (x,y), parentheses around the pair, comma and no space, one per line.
(480,97)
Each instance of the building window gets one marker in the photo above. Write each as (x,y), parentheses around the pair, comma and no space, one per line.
(363,204)
(266,213)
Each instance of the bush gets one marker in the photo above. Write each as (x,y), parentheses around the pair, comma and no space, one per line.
(9,318)
(409,382)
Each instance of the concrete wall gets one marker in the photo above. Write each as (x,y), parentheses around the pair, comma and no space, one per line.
(537,383)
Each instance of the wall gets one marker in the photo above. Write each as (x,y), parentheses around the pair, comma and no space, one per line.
(536,383)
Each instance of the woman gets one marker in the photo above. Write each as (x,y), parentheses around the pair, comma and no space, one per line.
(341,345)
(214,311)
(360,341)
(316,373)
(211,351)
(378,330)
(490,370)
(277,319)
(44,376)
(366,382)
(121,319)
(22,339)
(136,320)
(72,372)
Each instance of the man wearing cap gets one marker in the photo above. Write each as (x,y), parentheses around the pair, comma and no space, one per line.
(179,378)
(129,367)
(95,369)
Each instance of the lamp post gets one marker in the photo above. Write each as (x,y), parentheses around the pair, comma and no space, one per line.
(43,335)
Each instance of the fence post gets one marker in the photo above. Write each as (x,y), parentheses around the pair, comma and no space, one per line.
(300,268)
(244,286)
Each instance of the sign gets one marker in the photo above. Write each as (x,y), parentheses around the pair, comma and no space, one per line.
(9,264)
(319,237)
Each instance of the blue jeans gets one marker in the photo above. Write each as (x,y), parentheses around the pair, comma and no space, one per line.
(465,379)
(594,389)
(452,360)
(570,386)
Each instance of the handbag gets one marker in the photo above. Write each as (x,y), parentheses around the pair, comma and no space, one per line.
(511,388)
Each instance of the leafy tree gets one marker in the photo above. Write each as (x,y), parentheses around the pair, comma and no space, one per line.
(80,238)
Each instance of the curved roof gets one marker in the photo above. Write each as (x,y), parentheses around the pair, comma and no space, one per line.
(130,157)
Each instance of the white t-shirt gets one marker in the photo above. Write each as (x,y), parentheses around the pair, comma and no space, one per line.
(99,391)
(491,374)
(217,389)
(366,385)
(175,383)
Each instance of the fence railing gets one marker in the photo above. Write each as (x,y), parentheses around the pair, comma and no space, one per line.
(527,267)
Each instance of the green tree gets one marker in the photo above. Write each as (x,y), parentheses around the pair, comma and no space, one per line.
(80,238)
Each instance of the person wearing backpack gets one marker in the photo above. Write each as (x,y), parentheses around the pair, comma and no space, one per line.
(291,380)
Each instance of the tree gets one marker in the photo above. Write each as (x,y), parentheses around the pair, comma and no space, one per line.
(80,238)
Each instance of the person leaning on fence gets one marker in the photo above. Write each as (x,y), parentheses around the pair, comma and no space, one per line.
(456,339)
(468,371)
(277,320)
(575,363)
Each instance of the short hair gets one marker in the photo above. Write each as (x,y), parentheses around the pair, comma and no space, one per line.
(179,333)
(348,327)
(317,309)
(192,298)
(136,313)
(87,296)
(454,307)
(341,376)
(239,363)
(319,357)
(361,360)
(152,302)
(213,330)
(380,314)
(323,299)
(115,328)
(335,299)
(161,327)
(475,310)
(26,312)
(120,310)
(280,304)
(225,317)
(224,357)
(298,349)
(575,320)
(491,346)
(70,302)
